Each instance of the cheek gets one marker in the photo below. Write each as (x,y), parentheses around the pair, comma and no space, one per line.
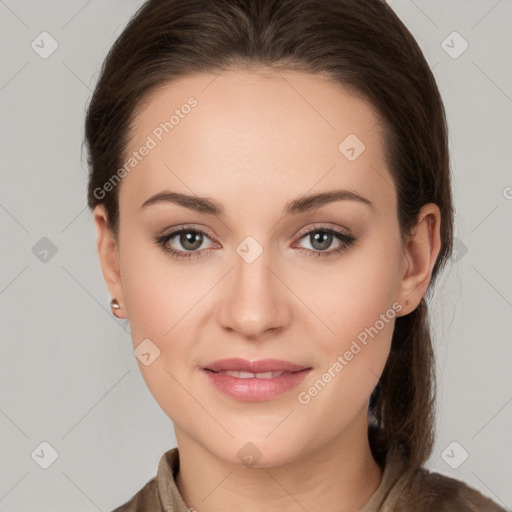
(354,294)
(357,302)
(160,295)
(358,310)
(159,292)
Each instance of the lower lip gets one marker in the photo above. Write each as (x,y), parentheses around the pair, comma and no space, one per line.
(254,389)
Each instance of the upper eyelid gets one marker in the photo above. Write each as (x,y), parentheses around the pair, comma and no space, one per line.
(315,227)
(327,226)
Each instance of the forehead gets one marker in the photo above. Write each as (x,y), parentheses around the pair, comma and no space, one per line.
(256,131)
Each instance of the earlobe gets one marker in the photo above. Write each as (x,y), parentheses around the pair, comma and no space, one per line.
(421,251)
(108,252)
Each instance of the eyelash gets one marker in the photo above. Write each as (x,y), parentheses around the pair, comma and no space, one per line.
(161,241)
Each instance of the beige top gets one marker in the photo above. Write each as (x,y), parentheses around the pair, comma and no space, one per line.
(399,491)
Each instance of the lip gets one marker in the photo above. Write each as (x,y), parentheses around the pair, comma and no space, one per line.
(244,365)
(255,389)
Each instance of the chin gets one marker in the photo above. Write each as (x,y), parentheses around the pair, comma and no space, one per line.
(260,451)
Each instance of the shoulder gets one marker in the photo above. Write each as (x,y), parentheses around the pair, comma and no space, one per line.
(144,500)
(427,491)
(160,493)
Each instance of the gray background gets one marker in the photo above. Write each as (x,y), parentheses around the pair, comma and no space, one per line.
(68,373)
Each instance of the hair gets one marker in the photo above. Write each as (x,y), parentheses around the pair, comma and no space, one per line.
(359,44)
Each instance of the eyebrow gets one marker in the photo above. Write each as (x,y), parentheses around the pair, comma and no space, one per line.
(211,206)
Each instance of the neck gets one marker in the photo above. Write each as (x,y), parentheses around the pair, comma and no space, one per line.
(342,472)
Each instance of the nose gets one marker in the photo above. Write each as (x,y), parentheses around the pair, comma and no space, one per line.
(254,300)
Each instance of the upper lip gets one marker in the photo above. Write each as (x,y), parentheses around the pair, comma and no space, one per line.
(261,366)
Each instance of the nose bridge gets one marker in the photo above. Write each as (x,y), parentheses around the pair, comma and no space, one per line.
(252,267)
(253,302)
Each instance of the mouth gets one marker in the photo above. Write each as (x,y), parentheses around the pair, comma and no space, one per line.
(262,368)
(249,375)
(268,379)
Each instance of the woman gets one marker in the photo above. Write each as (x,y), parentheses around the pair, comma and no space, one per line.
(270,186)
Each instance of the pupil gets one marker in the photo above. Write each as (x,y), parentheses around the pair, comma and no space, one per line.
(188,238)
(326,242)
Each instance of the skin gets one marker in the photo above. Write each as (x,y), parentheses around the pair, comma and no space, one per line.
(255,141)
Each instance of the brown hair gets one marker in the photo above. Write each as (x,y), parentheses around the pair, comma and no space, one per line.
(362,45)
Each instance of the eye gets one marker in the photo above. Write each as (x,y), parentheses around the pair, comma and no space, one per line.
(191,240)
(321,238)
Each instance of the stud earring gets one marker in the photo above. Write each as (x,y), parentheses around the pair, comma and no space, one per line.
(114,304)
(407,302)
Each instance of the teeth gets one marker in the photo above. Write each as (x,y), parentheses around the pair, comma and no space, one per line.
(249,375)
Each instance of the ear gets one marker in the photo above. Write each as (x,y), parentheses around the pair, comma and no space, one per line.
(108,252)
(421,252)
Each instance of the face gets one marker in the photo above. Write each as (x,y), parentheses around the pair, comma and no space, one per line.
(270,274)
